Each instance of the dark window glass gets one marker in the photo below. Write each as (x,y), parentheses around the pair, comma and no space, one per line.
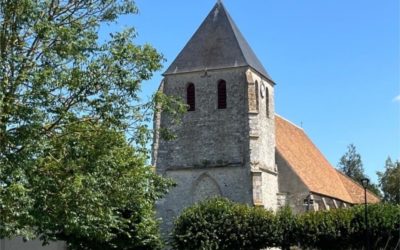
(191,97)
(221,94)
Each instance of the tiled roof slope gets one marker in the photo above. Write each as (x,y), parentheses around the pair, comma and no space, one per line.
(356,191)
(216,44)
(311,166)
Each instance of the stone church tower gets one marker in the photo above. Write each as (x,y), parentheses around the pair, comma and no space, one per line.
(225,144)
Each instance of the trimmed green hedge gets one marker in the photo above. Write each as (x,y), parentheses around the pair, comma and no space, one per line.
(222,224)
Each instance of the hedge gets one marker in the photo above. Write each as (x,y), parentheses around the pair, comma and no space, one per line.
(222,224)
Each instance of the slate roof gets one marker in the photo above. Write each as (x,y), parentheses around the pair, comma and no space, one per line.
(217,44)
(313,168)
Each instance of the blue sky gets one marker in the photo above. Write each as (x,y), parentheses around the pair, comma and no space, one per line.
(336,64)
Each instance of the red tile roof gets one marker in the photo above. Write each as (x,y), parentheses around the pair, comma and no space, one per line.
(312,167)
(356,191)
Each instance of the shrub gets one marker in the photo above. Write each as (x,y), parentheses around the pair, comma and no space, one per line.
(222,224)
(325,229)
(287,228)
(384,226)
(345,228)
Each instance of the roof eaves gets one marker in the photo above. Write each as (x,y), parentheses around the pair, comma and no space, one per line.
(358,184)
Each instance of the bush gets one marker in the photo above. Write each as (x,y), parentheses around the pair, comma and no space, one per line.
(327,229)
(222,224)
(287,227)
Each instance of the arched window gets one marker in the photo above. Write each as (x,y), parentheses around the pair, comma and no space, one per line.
(267,101)
(191,97)
(221,94)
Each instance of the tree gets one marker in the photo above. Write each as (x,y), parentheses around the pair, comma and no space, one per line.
(92,188)
(389,181)
(73,129)
(351,165)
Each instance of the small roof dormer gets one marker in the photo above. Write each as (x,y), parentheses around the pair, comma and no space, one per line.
(217,44)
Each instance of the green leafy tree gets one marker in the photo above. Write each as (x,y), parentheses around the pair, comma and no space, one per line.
(351,165)
(73,130)
(389,181)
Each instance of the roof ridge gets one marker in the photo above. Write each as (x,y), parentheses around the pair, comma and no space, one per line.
(294,124)
(231,26)
(217,43)
(239,37)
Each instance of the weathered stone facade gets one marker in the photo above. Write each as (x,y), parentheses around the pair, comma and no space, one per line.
(262,140)
(226,152)
(207,136)
(216,152)
(244,152)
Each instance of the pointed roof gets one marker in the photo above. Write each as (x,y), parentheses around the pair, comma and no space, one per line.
(217,44)
(313,168)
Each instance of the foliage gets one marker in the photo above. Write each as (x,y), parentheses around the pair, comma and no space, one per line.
(351,165)
(221,224)
(322,230)
(91,186)
(68,105)
(286,224)
(389,181)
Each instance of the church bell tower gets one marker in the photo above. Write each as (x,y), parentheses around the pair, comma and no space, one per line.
(225,144)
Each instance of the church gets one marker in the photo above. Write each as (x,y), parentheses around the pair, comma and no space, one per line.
(231,143)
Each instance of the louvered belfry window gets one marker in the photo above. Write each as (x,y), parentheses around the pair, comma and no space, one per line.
(191,97)
(221,94)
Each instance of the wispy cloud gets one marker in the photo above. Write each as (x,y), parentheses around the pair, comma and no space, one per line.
(396,99)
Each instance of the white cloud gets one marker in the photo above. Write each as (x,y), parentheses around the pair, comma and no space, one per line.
(396,99)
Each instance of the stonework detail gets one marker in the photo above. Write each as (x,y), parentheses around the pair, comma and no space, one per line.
(205,187)
(208,136)
(253,96)
(195,184)
(257,189)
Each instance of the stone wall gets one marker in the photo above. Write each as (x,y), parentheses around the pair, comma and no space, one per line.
(291,185)
(210,155)
(208,136)
(219,152)
(19,244)
(297,195)
(196,184)
(262,140)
